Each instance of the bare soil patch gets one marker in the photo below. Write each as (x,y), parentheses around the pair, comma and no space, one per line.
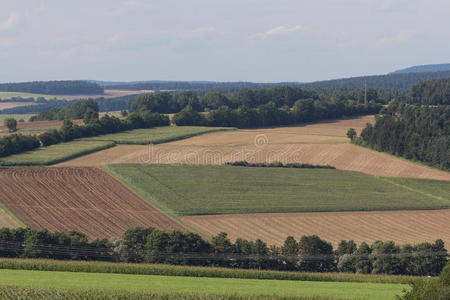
(83,199)
(399,226)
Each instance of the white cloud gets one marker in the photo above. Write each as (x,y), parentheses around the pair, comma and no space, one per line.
(399,38)
(10,22)
(199,32)
(280,30)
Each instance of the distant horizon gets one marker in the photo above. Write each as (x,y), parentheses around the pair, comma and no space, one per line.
(260,41)
(231,81)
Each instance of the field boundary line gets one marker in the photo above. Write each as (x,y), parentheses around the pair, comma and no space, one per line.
(388,179)
(150,199)
(415,162)
(12,216)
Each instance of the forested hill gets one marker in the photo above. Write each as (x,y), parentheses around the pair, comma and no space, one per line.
(62,87)
(390,81)
(193,85)
(385,82)
(433,92)
(424,68)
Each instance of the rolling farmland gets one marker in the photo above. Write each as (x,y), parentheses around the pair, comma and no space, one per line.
(317,143)
(82,199)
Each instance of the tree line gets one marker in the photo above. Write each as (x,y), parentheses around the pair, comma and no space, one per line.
(149,245)
(93,126)
(60,87)
(415,132)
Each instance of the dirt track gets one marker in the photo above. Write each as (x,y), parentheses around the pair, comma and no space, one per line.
(82,199)
(399,226)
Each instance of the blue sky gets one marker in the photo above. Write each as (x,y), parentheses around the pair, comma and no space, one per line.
(232,40)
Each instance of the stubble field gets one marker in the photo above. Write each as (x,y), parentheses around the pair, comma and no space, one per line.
(414,226)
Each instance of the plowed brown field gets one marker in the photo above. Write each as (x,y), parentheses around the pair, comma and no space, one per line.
(83,199)
(399,226)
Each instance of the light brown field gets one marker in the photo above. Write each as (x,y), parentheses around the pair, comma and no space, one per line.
(40,125)
(6,220)
(327,132)
(108,94)
(399,226)
(6,105)
(83,199)
(341,156)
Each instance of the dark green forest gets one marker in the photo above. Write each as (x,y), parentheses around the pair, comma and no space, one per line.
(402,81)
(61,87)
(432,92)
(308,254)
(416,132)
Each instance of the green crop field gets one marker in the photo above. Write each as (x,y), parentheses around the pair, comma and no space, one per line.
(433,188)
(10,95)
(197,285)
(193,271)
(156,135)
(55,153)
(196,190)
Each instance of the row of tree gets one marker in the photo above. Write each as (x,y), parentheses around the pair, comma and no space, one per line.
(269,114)
(281,97)
(415,132)
(93,126)
(60,87)
(310,253)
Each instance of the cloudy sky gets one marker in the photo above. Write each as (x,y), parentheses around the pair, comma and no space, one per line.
(229,40)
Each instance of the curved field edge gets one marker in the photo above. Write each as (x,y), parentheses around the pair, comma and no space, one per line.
(198,285)
(415,162)
(150,199)
(193,271)
(14,292)
(143,136)
(213,190)
(55,153)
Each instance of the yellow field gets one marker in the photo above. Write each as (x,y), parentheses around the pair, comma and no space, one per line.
(400,226)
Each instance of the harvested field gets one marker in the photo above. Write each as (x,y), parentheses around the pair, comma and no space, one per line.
(341,156)
(6,220)
(83,199)
(40,125)
(6,105)
(399,226)
(329,132)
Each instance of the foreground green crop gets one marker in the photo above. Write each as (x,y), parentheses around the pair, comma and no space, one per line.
(197,286)
(196,190)
(193,271)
